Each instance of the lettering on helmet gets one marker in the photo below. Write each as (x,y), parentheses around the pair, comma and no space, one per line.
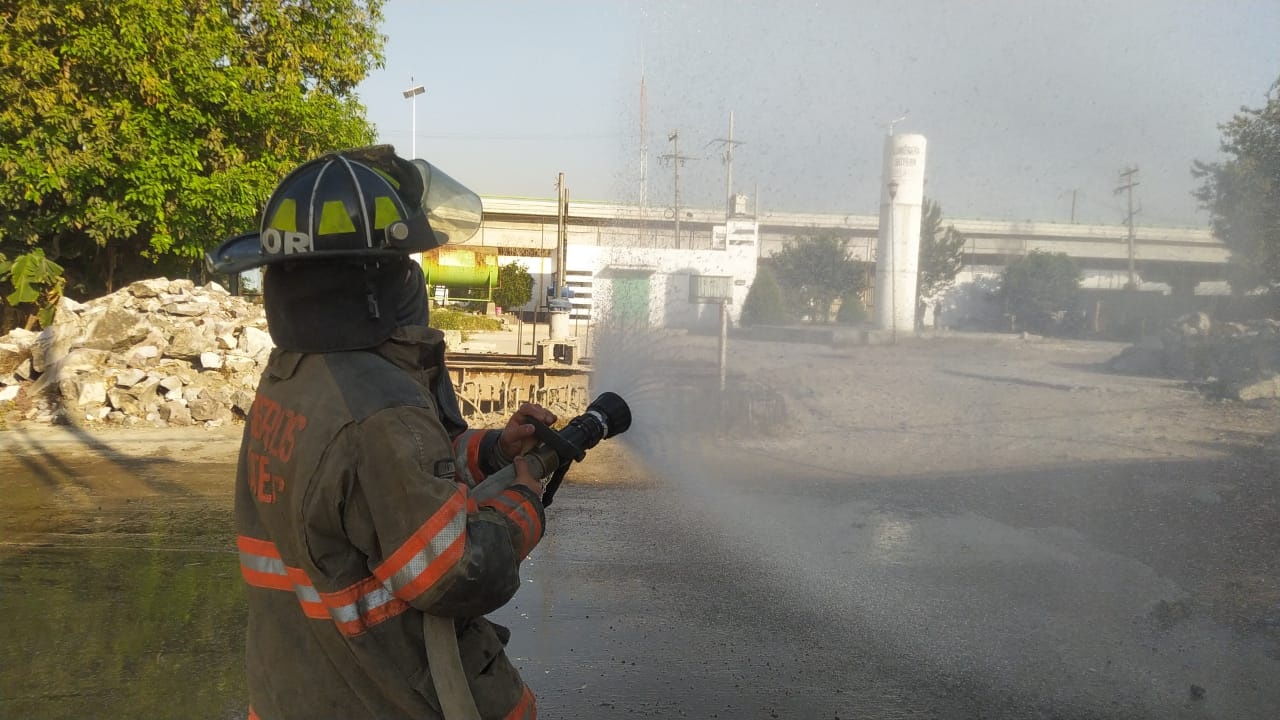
(275,242)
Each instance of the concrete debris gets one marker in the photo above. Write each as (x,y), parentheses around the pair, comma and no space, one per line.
(1236,360)
(158,352)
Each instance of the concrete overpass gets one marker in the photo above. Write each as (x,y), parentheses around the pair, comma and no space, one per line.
(1165,257)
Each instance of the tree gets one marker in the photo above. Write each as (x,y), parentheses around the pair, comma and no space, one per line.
(1242,194)
(515,286)
(1041,290)
(814,271)
(136,134)
(764,304)
(941,257)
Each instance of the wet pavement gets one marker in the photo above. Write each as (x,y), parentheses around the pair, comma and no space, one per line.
(742,584)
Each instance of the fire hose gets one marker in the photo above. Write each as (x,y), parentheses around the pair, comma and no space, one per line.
(608,415)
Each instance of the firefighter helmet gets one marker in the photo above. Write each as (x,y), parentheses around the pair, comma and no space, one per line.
(361,204)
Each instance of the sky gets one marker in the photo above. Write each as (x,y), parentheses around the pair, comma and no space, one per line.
(1025,104)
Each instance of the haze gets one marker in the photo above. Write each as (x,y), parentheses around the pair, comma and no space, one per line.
(1022,103)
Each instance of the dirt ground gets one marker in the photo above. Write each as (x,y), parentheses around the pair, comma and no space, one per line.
(982,482)
(953,406)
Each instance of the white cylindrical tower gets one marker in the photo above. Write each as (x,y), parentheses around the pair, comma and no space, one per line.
(898,251)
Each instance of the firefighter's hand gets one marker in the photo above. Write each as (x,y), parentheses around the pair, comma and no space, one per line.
(525,477)
(517,437)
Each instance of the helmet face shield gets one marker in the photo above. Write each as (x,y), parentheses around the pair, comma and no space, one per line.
(362,204)
(453,211)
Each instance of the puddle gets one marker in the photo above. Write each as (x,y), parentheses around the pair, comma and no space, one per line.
(118,605)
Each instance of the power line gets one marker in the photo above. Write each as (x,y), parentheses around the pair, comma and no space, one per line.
(1127,185)
(676,159)
(728,144)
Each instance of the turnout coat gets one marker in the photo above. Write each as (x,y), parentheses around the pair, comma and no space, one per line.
(354,518)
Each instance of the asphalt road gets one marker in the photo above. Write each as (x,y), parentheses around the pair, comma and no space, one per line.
(802,593)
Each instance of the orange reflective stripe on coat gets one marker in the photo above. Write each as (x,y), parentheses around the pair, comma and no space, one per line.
(431,551)
(526,709)
(519,509)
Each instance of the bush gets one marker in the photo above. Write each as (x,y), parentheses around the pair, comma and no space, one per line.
(515,286)
(466,322)
(852,311)
(764,305)
(1041,291)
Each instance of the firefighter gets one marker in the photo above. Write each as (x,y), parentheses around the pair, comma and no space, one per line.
(352,508)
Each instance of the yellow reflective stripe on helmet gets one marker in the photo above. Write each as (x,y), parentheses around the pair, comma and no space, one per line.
(387,176)
(334,219)
(385,212)
(286,217)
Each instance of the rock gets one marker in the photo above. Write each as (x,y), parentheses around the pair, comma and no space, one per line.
(22,337)
(116,329)
(210,360)
(77,361)
(53,343)
(214,288)
(148,288)
(125,401)
(67,305)
(129,377)
(142,356)
(11,356)
(9,393)
(175,413)
(187,343)
(242,401)
(23,372)
(255,343)
(239,363)
(204,409)
(188,309)
(83,391)
(1267,387)
(171,385)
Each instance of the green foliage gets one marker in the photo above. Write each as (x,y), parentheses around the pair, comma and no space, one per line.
(814,271)
(1242,194)
(1040,290)
(764,304)
(453,320)
(852,311)
(36,280)
(515,286)
(941,256)
(141,132)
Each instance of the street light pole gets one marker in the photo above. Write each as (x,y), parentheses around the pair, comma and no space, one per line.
(893,268)
(412,96)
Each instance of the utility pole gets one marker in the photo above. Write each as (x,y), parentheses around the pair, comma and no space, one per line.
(644,153)
(676,160)
(1127,184)
(728,144)
(562,239)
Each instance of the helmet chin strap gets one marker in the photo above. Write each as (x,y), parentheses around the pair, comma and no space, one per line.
(371,291)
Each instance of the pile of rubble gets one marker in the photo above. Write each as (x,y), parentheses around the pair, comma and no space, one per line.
(1238,360)
(159,352)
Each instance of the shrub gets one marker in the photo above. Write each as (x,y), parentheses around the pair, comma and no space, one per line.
(764,304)
(466,322)
(1041,291)
(852,311)
(515,286)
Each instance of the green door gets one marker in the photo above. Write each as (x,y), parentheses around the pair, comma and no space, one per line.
(631,301)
